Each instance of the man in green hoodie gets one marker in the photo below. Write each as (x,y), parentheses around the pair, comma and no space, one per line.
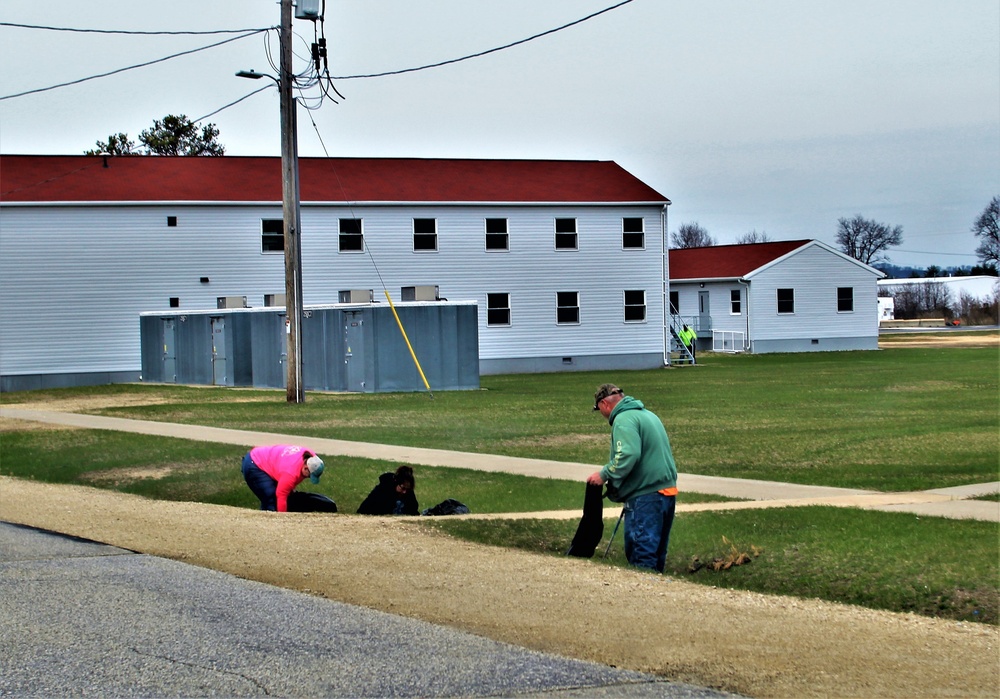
(640,473)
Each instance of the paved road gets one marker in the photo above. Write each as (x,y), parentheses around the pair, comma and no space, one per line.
(79,618)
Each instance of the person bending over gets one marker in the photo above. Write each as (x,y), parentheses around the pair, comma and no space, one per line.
(640,473)
(273,472)
(393,495)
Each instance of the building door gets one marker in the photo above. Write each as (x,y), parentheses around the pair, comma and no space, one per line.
(704,317)
(169,351)
(354,350)
(220,361)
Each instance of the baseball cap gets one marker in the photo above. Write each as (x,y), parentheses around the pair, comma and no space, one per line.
(605,390)
(315,466)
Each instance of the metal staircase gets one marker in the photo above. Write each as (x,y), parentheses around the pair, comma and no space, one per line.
(678,351)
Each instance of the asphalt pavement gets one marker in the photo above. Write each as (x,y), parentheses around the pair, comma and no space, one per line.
(80,618)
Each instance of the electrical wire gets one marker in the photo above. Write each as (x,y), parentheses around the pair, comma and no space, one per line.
(234,102)
(132,67)
(486,52)
(137,33)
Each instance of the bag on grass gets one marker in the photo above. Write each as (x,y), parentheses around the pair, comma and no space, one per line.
(447,507)
(310,502)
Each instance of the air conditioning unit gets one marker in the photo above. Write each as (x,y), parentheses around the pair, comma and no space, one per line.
(232,301)
(419,293)
(356,296)
(275,300)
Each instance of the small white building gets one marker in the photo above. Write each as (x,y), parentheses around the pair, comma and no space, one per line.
(565,259)
(786,296)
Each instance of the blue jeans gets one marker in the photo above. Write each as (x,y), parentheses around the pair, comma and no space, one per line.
(648,519)
(262,485)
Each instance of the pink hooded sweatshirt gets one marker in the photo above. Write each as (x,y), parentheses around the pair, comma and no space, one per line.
(283,463)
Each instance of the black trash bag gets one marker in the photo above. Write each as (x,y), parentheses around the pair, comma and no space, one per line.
(310,502)
(448,507)
(591,528)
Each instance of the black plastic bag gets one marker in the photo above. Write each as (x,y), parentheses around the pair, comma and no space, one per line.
(448,507)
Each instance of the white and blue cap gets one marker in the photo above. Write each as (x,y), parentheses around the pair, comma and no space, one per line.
(315,466)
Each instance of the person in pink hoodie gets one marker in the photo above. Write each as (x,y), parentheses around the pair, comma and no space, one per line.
(273,472)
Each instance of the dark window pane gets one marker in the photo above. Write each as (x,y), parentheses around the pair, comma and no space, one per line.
(786,301)
(845,299)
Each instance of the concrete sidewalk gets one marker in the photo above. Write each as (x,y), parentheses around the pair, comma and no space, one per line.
(946,502)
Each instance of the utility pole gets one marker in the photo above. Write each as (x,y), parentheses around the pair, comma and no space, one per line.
(295,393)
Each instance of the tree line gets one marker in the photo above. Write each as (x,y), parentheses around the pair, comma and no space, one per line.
(867,240)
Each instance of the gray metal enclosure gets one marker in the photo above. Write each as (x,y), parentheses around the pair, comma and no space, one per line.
(345,347)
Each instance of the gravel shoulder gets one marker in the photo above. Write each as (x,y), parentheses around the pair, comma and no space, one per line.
(748,643)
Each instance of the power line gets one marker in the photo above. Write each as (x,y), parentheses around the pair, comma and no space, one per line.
(129,32)
(234,102)
(486,52)
(133,67)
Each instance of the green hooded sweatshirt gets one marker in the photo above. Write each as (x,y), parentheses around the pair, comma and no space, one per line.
(641,460)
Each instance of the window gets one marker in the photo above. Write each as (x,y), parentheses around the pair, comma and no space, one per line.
(567,307)
(175,302)
(786,301)
(352,238)
(172,221)
(498,309)
(735,302)
(674,302)
(635,306)
(425,237)
(845,299)
(565,234)
(496,234)
(633,237)
(272,235)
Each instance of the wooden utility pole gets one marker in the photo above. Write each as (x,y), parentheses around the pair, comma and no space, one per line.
(295,393)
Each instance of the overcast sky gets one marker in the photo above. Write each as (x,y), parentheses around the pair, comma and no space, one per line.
(779,116)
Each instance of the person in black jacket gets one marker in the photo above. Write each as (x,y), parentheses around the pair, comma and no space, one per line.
(393,495)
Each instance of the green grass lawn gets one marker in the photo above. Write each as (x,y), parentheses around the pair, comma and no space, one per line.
(894,420)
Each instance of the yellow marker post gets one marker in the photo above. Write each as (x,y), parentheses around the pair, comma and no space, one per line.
(408,345)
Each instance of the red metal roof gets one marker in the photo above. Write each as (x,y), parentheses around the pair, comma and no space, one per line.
(80,178)
(727,261)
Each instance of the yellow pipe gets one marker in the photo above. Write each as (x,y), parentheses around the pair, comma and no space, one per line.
(408,345)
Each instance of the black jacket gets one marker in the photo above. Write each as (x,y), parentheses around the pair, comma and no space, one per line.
(384,500)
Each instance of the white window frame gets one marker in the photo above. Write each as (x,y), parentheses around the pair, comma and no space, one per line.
(433,235)
(626,305)
(560,306)
(848,288)
(271,235)
(564,234)
(505,234)
(777,299)
(641,233)
(350,235)
(506,308)
(735,302)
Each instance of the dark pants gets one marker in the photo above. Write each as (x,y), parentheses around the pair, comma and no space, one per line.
(262,485)
(648,519)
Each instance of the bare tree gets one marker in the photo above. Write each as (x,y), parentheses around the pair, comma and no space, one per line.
(691,235)
(987,229)
(753,237)
(926,300)
(866,240)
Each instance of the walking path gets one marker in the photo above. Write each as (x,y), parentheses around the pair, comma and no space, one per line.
(941,502)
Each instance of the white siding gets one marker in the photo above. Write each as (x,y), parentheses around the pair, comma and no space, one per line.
(73,279)
(814,274)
